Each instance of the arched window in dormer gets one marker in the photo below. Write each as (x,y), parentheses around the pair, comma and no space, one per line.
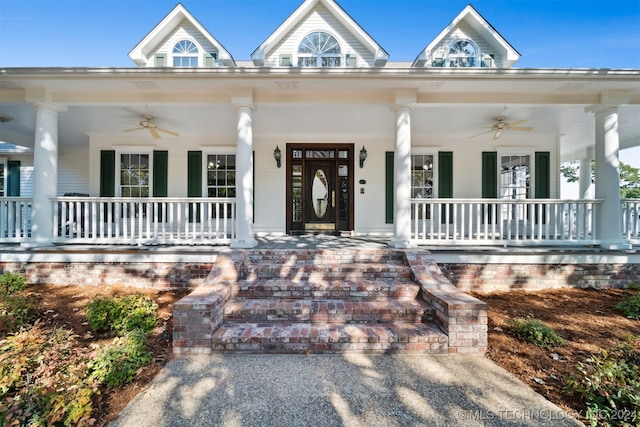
(319,49)
(185,54)
(463,53)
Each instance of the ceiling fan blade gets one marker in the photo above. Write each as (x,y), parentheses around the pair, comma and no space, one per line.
(489,131)
(524,128)
(517,122)
(498,134)
(155,134)
(134,129)
(168,131)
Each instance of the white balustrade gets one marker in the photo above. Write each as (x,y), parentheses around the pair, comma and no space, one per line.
(15,219)
(159,220)
(630,218)
(502,221)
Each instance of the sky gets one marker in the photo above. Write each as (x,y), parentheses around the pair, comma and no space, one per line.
(100,33)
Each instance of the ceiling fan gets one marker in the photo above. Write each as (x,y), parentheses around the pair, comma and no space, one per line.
(501,125)
(153,128)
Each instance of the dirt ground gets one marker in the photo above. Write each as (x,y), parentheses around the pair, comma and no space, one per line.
(585,318)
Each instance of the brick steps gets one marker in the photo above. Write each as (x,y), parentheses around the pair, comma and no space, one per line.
(328,310)
(282,337)
(326,270)
(345,288)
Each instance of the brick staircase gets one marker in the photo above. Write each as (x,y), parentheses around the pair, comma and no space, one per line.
(329,301)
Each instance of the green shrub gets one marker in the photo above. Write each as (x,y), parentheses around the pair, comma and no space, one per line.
(117,363)
(608,383)
(630,306)
(16,311)
(43,379)
(535,332)
(122,314)
(11,283)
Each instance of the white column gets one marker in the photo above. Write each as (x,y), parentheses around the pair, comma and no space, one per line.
(244,179)
(608,214)
(402,179)
(586,189)
(45,172)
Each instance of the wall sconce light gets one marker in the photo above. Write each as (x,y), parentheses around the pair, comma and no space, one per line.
(277,154)
(363,156)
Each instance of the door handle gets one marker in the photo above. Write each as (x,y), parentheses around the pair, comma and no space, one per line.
(333,199)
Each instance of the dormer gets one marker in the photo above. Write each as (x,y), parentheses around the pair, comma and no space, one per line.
(468,41)
(179,40)
(320,34)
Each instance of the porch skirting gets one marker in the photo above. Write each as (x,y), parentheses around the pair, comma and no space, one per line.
(468,276)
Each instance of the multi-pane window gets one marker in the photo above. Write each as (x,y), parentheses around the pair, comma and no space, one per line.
(3,179)
(515,176)
(134,175)
(421,181)
(319,49)
(221,175)
(185,54)
(462,53)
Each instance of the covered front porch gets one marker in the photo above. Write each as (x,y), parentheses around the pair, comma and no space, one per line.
(213,221)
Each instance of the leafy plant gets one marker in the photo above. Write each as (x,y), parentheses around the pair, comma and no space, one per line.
(608,383)
(122,314)
(11,283)
(16,311)
(43,379)
(535,332)
(117,363)
(630,306)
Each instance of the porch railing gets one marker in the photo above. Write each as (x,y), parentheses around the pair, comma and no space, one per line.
(630,218)
(158,220)
(15,219)
(502,221)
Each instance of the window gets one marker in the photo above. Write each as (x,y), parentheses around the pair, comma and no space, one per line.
(515,176)
(463,53)
(185,54)
(221,180)
(134,175)
(515,183)
(319,49)
(3,177)
(421,181)
(221,175)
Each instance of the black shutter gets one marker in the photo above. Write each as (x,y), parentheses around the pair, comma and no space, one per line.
(543,175)
(160,173)
(13,178)
(194,180)
(489,175)
(107,173)
(388,189)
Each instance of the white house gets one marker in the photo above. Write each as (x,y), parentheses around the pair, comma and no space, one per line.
(318,132)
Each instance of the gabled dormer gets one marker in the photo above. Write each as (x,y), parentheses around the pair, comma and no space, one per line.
(179,40)
(320,34)
(468,41)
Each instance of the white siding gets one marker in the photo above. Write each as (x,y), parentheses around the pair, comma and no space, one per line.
(320,19)
(73,171)
(185,31)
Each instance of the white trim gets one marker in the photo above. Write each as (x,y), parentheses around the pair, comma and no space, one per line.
(518,151)
(206,152)
(197,55)
(424,151)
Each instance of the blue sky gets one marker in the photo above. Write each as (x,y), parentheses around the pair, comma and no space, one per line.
(100,33)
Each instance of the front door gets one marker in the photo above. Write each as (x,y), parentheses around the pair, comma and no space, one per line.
(319,188)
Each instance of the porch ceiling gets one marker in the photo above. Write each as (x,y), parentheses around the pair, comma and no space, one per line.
(451,105)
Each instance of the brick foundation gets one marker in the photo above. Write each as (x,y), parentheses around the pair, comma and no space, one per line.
(504,277)
(158,275)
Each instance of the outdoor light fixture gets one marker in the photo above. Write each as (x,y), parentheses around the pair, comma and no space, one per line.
(363,156)
(277,154)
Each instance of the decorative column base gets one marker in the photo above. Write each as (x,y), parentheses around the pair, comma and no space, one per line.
(616,245)
(244,244)
(402,244)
